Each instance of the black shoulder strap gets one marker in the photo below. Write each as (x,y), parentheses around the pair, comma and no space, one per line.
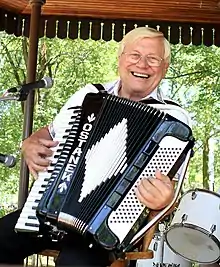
(171,102)
(100,87)
(154,101)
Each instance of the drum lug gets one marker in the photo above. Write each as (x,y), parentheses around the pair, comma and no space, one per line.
(194,195)
(155,246)
(184,218)
(213,228)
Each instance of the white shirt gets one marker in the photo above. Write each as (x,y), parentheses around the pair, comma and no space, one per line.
(113,87)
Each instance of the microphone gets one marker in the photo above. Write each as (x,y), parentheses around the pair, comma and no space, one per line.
(25,89)
(7,160)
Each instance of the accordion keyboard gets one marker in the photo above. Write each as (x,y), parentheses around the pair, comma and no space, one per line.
(28,220)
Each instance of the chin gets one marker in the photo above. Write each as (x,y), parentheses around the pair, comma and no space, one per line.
(139,91)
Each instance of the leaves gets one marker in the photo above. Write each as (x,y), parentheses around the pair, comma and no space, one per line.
(194,79)
(71,64)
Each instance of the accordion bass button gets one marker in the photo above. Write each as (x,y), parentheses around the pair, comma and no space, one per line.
(123,186)
(114,199)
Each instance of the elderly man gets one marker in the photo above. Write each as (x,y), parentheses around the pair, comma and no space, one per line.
(143,60)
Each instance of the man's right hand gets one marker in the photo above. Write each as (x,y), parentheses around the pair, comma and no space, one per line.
(36,151)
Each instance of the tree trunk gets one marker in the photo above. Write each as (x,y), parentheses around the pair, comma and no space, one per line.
(205,170)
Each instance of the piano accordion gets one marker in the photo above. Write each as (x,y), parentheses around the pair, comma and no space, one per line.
(112,144)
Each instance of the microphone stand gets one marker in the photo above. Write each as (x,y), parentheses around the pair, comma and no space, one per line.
(8,97)
(19,96)
(4,98)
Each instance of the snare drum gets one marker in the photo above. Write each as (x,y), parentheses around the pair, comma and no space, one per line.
(163,255)
(194,232)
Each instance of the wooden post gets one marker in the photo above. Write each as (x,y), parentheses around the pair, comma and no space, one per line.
(29,103)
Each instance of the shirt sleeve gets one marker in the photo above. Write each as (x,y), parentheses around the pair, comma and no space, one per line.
(75,100)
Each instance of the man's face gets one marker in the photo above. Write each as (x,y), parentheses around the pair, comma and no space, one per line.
(140,78)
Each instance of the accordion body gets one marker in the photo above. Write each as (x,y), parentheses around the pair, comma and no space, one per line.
(116,143)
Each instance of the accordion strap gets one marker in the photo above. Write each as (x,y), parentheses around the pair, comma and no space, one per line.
(150,100)
(155,101)
(100,87)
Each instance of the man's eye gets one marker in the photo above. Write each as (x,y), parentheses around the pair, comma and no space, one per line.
(135,56)
(153,59)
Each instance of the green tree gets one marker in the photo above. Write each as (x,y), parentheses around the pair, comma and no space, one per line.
(194,82)
(71,64)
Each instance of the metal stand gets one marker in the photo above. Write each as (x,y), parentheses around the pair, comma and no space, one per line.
(162,240)
(5,98)
(8,160)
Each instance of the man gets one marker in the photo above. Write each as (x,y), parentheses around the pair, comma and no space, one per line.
(143,59)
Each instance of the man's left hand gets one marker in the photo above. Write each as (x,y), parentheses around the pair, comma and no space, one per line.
(155,193)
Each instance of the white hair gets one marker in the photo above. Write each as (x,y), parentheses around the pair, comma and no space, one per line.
(144,32)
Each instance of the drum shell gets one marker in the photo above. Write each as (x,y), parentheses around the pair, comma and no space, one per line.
(162,255)
(198,213)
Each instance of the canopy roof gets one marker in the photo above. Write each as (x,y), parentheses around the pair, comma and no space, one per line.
(196,21)
(202,11)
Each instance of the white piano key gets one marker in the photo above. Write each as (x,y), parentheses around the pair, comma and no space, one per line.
(30,205)
(71,120)
(30,221)
(34,197)
(25,220)
(26,228)
(28,212)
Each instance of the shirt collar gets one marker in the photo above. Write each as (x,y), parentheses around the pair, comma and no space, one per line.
(156,94)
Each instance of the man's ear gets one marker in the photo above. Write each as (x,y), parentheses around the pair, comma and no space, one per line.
(118,63)
(166,66)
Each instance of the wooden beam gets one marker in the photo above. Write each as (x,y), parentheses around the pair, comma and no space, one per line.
(206,11)
(17,6)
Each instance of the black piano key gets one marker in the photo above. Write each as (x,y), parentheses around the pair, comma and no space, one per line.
(32,224)
(31,217)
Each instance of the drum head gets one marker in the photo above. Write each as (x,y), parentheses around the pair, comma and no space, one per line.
(193,243)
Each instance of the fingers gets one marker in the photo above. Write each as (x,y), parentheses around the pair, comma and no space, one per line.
(33,172)
(159,186)
(48,143)
(155,193)
(147,193)
(38,163)
(145,198)
(37,153)
(163,178)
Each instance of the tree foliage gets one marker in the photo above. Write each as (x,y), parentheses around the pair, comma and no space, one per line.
(71,64)
(194,82)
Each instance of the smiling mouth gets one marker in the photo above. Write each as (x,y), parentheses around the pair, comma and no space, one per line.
(140,75)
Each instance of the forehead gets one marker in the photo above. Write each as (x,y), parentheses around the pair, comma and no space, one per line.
(147,45)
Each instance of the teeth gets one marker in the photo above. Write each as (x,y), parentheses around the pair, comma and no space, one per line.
(141,75)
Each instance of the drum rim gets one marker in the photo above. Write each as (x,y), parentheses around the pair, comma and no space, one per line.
(192,226)
(200,190)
